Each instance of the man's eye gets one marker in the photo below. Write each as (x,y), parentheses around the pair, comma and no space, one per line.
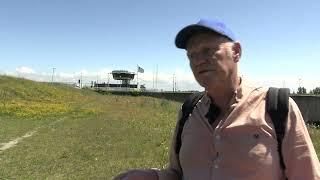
(206,52)
(191,56)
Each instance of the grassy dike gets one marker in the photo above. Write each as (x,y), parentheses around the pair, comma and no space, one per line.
(80,134)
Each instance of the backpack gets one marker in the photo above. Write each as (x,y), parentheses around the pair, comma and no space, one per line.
(277,104)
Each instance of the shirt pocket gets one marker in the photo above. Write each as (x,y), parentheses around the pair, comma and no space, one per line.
(248,145)
(196,144)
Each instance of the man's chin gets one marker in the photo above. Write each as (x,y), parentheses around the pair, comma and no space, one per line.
(207,81)
(204,82)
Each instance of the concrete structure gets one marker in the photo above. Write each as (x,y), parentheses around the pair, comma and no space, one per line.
(309,105)
(122,75)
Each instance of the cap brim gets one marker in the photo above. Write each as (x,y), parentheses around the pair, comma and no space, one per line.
(184,34)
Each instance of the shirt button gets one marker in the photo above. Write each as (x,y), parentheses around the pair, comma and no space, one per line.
(218,137)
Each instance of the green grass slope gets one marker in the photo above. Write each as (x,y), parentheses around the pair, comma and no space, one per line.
(28,99)
(80,134)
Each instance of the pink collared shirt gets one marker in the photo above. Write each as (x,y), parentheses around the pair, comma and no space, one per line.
(242,144)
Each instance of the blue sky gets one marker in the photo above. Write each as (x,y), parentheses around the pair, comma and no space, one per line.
(280,39)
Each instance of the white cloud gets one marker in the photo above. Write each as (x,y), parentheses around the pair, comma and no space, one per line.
(183,78)
(291,82)
(24,70)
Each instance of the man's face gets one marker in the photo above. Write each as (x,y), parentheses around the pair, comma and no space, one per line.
(211,59)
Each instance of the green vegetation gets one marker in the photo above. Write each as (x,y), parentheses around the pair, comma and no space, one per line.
(314,132)
(25,104)
(312,92)
(80,134)
(23,98)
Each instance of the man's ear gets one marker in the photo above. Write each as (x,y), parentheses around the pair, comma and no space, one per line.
(236,49)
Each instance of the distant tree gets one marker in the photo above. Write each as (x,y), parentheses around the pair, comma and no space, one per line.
(302,90)
(315,91)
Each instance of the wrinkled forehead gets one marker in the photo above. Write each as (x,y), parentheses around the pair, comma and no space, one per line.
(206,37)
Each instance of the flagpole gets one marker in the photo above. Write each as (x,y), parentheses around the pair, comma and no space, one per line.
(157,78)
(153,78)
(137,77)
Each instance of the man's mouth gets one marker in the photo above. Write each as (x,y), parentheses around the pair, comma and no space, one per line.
(204,71)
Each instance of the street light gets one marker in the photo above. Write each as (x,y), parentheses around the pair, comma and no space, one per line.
(52,74)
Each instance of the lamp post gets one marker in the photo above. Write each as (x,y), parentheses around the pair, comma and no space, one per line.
(52,74)
(173,83)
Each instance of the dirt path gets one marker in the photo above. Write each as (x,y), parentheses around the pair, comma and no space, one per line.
(14,142)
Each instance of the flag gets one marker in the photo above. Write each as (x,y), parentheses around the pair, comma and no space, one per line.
(140,70)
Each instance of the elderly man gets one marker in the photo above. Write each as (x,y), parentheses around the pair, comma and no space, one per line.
(239,140)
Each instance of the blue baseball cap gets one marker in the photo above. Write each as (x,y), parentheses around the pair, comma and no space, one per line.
(203,25)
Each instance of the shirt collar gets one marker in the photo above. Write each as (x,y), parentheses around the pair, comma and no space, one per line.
(243,89)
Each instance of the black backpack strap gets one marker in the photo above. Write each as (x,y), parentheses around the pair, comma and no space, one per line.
(278,107)
(187,108)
